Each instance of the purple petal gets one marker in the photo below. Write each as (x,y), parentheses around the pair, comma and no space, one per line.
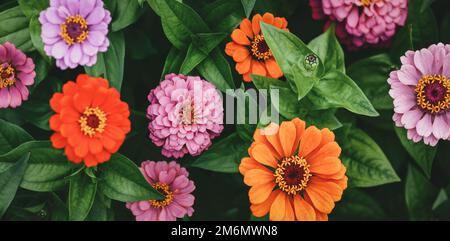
(5,98)
(75,53)
(96,16)
(424,126)
(441,129)
(410,118)
(89,49)
(53,17)
(50,30)
(96,38)
(74,6)
(423,60)
(60,50)
(27,78)
(86,6)
(16,98)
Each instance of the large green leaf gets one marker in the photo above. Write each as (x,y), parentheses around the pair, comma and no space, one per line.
(420,194)
(10,181)
(423,154)
(124,13)
(33,8)
(337,90)
(290,53)
(371,75)
(82,190)
(367,165)
(101,209)
(11,136)
(173,62)
(35,34)
(110,64)
(216,70)
(120,179)
(327,47)
(223,156)
(14,28)
(358,205)
(225,15)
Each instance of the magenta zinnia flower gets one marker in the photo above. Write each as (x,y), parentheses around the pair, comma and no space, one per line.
(16,74)
(172,181)
(74,31)
(361,22)
(185,114)
(421,93)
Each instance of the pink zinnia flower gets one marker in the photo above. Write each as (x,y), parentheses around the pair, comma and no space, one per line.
(421,93)
(16,74)
(74,31)
(172,181)
(364,21)
(185,114)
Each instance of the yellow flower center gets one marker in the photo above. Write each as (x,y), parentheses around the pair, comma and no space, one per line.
(366,3)
(165,190)
(292,174)
(74,30)
(259,48)
(433,93)
(7,76)
(188,114)
(92,121)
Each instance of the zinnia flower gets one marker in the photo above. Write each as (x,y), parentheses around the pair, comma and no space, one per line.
(361,22)
(421,93)
(172,181)
(294,174)
(90,121)
(74,31)
(185,114)
(16,73)
(249,49)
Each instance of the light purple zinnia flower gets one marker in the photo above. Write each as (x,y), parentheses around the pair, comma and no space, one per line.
(74,31)
(185,114)
(16,74)
(421,93)
(172,181)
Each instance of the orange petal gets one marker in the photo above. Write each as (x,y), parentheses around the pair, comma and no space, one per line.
(287,136)
(240,54)
(278,22)
(263,155)
(248,163)
(247,78)
(327,136)
(310,141)
(259,136)
(325,166)
(55,122)
(90,161)
(99,97)
(273,68)
(58,141)
(321,216)
(268,18)
(82,149)
(55,102)
(260,193)
(322,201)
(303,210)
(95,146)
(289,214)
(278,208)
(336,176)
(243,67)
(239,37)
(299,128)
(258,68)
(261,209)
(331,188)
(331,149)
(69,88)
(230,48)
(255,23)
(82,100)
(71,155)
(272,135)
(258,176)
(285,23)
(246,27)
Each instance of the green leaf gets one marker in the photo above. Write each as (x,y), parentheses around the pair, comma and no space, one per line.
(216,70)
(10,181)
(357,205)
(179,21)
(14,28)
(371,75)
(32,8)
(336,90)
(322,119)
(327,47)
(120,179)
(35,34)
(125,13)
(290,53)
(423,154)
(248,6)
(420,194)
(58,209)
(101,209)
(173,63)
(366,163)
(223,156)
(199,49)
(11,136)
(82,191)
(47,167)
(110,64)
(226,15)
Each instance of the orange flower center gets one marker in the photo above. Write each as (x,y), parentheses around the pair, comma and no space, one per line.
(433,93)
(165,190)
(74,30)
(366,3)
(292,174)
(259,48)
(7,76)
(92,121)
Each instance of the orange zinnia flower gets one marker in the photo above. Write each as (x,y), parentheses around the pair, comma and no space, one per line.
(250,50)
(90,121)
(294,174)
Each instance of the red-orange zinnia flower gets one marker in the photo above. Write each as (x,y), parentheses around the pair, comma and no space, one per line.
(295,174)
(249,49)
(90,121)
